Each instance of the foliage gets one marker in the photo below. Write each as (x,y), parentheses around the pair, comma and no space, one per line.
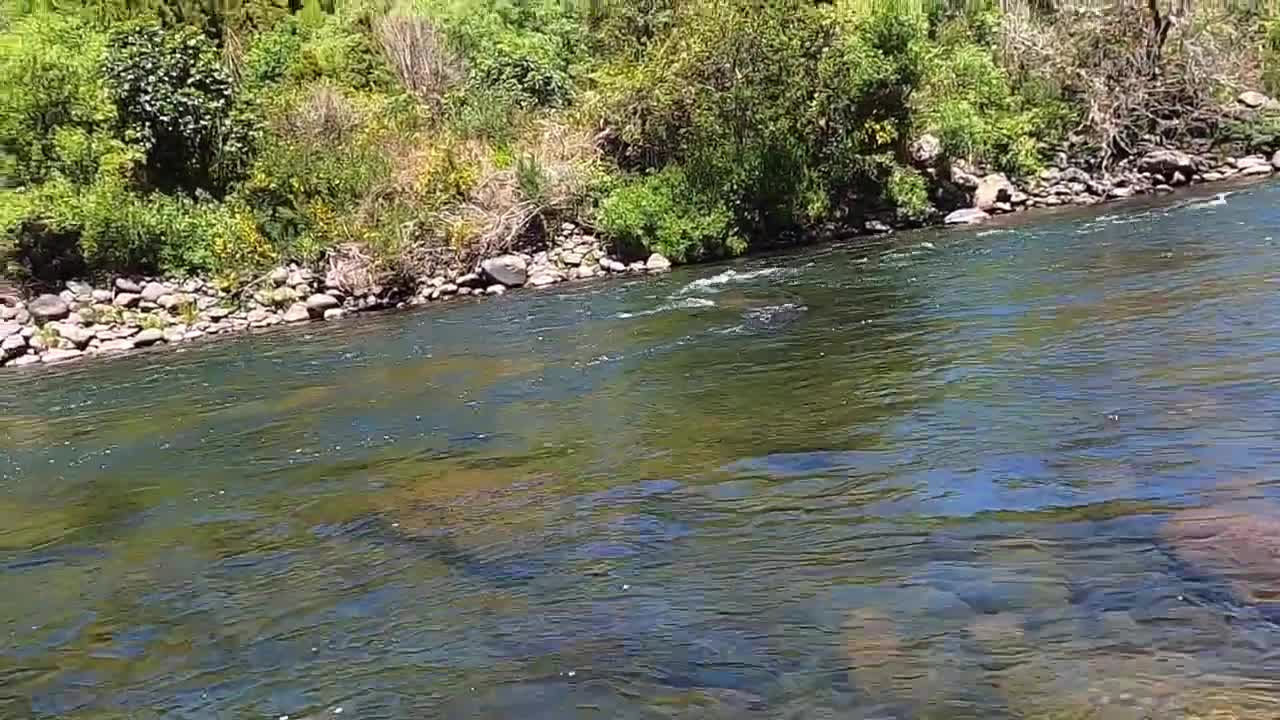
(173,97)
(664,213)
(56,115)
(393,137)
(968,101)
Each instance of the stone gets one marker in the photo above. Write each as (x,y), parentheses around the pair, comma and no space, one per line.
(967,216)
(119,345)
(926,149)
(297,312)
(545,278)
(1099,188)
(1212,177)
(448,289)
(128,286)
(49,307)
(218,312)
(279,276)
(153,291)
(149,336)
(125,299)
(1245,163)
(1252,99)
(1120,192)
(964,179)
(877,227)
(170,302)
(1166,162)
(1162,189)
(657,262)
(8,312)
(1018,198)
(8,329)
(80,289)
(320,302)
(58,355)
(496,289)
(1275,160)
(510,270)
(571,258)
(1178,179)
(992,189)
(75,334)
(1002,207)
(1074,175)
(12,346)
(1252,170)
(101,296)
(468,280)
(608,264)
(334,313)
(174,334)
(25,360)
(464,290)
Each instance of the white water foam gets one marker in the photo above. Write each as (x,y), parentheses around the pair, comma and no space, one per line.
(713,283)
(682,304)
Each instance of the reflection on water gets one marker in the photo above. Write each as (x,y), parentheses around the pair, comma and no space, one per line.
(1024,474)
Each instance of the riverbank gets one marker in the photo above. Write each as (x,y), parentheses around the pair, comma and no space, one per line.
(126,314)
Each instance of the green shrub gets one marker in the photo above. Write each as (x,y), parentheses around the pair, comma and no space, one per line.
(56,117)
(907,191)
(664,213)
(969,102)
(173,97)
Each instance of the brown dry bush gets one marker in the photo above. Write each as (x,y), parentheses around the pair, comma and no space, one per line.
(551,176)
(419,54)
(1140,71)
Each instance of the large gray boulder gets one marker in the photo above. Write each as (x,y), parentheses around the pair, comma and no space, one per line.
(510,270)
(49,307)
(992,189)
(1167,162)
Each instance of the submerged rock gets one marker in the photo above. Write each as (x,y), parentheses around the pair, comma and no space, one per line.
(1238,544)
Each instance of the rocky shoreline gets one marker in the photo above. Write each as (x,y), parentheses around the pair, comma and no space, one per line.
(84,320)
(126,314)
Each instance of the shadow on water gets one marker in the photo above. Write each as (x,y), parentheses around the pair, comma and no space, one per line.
(1023,471)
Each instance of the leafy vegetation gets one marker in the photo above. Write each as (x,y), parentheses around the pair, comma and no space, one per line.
(414,136)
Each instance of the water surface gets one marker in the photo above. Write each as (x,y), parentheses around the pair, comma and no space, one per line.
(947,476)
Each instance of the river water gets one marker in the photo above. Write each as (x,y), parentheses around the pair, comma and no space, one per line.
(936,477)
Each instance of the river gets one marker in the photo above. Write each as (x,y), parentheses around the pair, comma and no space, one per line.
(929,478)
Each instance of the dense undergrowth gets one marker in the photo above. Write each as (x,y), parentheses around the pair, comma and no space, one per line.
(397,138)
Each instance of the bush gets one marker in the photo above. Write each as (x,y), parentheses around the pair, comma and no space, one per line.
(663,213)
(56,117)
(968,101)
(174,97)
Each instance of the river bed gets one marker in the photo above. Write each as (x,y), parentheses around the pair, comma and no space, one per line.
(962,474)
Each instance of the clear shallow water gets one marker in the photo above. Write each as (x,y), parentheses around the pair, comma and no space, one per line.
(951,477)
